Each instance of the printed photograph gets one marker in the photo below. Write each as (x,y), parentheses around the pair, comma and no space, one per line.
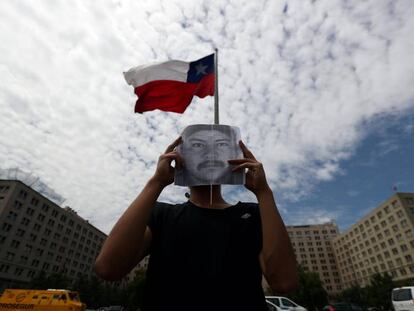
(206,149)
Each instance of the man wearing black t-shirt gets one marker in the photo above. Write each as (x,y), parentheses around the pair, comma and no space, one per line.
(205,254)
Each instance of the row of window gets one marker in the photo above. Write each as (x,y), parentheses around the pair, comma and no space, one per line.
(314,232)
(10,256)
(4,189)
(18,271)
(366,274)
(374,218)
(310,243)
(396,229)
(51,222)
(6,227)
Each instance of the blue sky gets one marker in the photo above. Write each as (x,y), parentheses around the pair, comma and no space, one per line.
(384,158)
(321,90)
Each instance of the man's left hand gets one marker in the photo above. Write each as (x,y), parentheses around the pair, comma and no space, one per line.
(255,176)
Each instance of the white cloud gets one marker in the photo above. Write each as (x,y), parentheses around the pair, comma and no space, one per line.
(298,84)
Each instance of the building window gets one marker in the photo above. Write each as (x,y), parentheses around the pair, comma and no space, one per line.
(45,208)
(10,256)
(12,216)
(23,194)
(15,244)
(6,227)
(37,227)
(28,248)
(17,205)
(29,211)
(35,263)
(20,232)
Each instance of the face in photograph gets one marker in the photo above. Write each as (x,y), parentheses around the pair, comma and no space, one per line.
(206,150)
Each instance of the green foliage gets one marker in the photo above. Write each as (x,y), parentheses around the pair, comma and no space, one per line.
(95,292)
(310,293)
(376,294)
(54,280)
(354,294)
(379,291)
(135,291)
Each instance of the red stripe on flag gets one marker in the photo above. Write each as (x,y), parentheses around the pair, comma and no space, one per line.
(169,95)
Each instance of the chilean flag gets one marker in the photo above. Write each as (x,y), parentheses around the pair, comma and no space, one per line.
(171,85)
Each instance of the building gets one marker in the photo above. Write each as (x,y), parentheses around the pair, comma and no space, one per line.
(382,241)
(36,234)
(314,252)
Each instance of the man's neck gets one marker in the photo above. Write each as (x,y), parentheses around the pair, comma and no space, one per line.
(208,196)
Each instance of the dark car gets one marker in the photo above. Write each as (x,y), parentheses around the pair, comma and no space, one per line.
(342,306)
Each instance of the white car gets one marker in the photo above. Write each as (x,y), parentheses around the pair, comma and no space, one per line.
(278,303)
(402,298)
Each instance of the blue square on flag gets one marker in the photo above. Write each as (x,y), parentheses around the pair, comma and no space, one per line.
(200,68)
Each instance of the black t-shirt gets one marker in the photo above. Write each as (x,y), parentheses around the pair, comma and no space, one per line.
(204,259)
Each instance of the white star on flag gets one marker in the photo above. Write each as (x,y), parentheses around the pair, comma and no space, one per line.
(201,69)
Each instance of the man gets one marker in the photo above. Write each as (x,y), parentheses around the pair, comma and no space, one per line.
(205,254)
(206,150)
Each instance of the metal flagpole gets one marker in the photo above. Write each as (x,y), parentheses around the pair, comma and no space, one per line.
(216,106)
(216,95)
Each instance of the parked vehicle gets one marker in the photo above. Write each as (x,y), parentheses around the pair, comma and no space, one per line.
(271,306)
(342,306)
(40,300)
(402,298)
(283,303)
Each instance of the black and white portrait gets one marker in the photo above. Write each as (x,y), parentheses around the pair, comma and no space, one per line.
(206,148)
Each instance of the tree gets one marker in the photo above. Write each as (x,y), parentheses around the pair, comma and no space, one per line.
(135,290)
(39,281)
(310,293)
(379,291)
(354,294)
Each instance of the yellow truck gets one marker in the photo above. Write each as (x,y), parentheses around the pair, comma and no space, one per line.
(40,300)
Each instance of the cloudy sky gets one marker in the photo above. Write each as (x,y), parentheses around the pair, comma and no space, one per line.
(321,90)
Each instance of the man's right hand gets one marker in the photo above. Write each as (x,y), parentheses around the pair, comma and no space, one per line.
(164,174)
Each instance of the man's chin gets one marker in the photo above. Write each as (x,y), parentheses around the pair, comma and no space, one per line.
(210,178)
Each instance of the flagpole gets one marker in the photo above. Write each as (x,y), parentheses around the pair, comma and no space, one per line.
(216,95)
(216,106)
